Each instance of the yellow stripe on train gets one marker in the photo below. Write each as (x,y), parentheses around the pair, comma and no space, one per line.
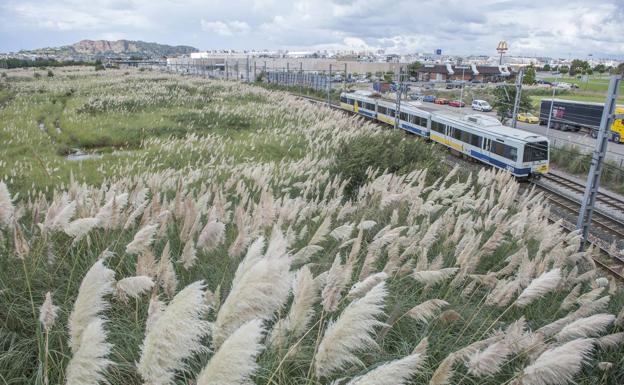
(446,142)
(385,118)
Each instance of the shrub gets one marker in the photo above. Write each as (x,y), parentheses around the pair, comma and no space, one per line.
(394,152)
(50,73)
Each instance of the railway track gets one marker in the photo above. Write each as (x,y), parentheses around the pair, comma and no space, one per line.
(609,223)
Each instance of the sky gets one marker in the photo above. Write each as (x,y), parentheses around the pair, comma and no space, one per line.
(555,28)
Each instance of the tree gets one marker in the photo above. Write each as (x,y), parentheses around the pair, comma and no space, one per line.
(546,67)
(412,68)
(564,69)
(504,98)
(578,67)
(529,75)
(618,70)
(600,68)
(50,73)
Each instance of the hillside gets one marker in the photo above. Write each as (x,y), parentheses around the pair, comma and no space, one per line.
(122,48)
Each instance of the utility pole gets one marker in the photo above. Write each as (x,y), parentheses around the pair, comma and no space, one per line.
(461,93)
(344,81)
(329,86)
(593,178)
(399,91)
(300,78)
(552,103)
(514,116)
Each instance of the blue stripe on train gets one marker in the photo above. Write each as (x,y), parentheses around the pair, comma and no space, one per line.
(413,129)
(499,164)
(366,113)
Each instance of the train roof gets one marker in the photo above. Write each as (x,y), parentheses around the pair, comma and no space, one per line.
(491,125)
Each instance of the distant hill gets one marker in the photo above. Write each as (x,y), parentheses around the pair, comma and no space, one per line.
(119,48)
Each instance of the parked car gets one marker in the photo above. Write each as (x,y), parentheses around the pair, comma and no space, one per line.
(481,105)
(545,82)
(441,101)
(456,103)
(429,98)
(418,97)
(527,117)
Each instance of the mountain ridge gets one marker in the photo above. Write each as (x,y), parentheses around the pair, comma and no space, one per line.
(123,48)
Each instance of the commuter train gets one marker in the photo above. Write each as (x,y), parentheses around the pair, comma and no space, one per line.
(478,136)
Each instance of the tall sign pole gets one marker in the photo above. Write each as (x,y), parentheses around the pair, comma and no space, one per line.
(329,85)
(514,116)
(598,156)
(399,90)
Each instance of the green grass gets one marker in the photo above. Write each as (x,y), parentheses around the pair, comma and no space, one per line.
(595,83)
(232,151)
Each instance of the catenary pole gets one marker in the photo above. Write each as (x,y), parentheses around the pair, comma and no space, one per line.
(514,116)
(598,156)
(552,103)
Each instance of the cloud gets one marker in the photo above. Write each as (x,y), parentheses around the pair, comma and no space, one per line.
(558,28)
(226,28)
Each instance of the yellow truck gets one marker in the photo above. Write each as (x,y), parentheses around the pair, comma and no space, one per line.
(570,115)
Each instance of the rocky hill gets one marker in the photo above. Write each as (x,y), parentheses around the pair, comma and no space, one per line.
(119,48)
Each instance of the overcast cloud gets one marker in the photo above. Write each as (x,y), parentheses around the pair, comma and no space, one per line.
(559,28)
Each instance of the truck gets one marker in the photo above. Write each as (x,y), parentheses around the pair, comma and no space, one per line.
(570,115)
(381,87)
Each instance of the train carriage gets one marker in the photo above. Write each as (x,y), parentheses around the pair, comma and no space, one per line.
(480,137)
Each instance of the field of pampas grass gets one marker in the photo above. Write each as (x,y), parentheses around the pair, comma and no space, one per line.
(263,255)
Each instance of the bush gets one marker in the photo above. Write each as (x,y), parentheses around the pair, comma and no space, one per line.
(394,152)
(99,67)
(50,73)
(37,75)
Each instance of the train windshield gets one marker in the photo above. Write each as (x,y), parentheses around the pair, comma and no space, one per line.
(536,151)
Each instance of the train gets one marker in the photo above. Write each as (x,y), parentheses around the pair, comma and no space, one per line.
(571,115)
(480,137)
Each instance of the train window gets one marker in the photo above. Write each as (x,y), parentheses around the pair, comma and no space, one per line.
(476,140)
(391,112)
(369,106)
(405,116)
(456,133)
(497,148)
(535,152)
(351,101)
(511,153)
(465,137)
(343,99)
(382,110)
(504,150)
(438,127)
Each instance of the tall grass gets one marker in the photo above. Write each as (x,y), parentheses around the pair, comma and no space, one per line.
(418,274)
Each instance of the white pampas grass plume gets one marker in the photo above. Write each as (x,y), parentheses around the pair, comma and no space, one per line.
(235,361)
(133,287)
(361,288)
(259,291)
(305,253)
(189,255)
(341,233)
(305,292)
(586,327)
(142,239)
(392,373)
(604,366)
(48,312)
(539,287)
(366,225)
(167,278)
(611,340)
(488,362)
(89,362)
(154,311)
(432,277)
(559,365)
(321,232)
(350,333)
(6,206)
(211,236)
(254,253)
(97,283)
(80,227)
(426,310)
(337,279)
(174,336)
(422,347)
(444,371)
(571,298)
(22,248)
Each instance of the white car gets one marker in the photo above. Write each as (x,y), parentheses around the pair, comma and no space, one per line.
(481,105)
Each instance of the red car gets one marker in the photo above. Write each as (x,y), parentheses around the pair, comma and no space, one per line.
(441,101)
(456,103)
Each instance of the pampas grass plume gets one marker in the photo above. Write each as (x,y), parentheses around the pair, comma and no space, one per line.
(133,287)
(235,361)
(392,373)
(559,365)
(174,335)
(539,287)
(6,206)
(97,283)
(350,333)
(142,239)
(361,288)
(48,312)
(89,362)
(586,327)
